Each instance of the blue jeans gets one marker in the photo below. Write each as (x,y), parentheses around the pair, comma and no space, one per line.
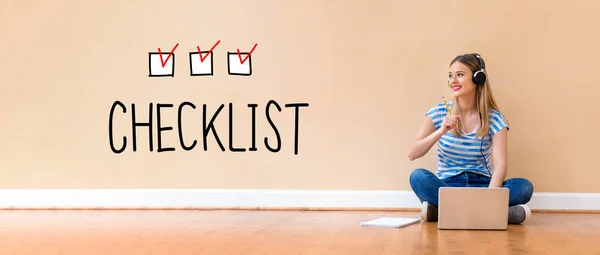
(426,184)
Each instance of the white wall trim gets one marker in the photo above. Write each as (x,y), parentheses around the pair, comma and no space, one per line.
(257,199)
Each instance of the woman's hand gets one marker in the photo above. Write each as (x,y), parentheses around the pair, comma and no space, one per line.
(449,122)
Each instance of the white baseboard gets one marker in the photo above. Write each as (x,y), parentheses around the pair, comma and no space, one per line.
(257,199)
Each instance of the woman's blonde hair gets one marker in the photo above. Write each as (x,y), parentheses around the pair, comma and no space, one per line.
(483,95)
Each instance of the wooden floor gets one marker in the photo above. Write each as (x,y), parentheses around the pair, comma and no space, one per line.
(279,232)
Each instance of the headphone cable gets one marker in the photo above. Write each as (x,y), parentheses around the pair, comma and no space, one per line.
(481,147)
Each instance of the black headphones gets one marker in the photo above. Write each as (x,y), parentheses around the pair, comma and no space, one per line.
(479,77)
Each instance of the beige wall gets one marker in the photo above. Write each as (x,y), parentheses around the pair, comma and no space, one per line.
(368,70)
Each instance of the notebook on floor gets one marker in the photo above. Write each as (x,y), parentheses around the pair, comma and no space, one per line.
(390,222)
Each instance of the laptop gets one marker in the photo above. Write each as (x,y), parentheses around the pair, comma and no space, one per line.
(473,208)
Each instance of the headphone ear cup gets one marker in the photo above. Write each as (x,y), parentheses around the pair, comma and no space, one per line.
(479,78)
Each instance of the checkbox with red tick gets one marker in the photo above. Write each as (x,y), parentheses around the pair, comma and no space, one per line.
(161,63)
(201,62)
(240,63)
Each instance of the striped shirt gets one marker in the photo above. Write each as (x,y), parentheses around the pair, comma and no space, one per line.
(464,154)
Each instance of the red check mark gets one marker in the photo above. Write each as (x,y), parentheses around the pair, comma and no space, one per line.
(205,56)
(246,58)
(161,57)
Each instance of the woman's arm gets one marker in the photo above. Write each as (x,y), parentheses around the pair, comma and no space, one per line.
(500,161)
(425,139)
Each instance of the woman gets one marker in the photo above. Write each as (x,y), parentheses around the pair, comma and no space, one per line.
(464,159)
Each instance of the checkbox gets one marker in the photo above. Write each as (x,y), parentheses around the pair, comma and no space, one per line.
(156,67)
(201,64)
(239,63)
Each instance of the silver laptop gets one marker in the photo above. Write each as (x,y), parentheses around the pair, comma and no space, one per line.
(473,208)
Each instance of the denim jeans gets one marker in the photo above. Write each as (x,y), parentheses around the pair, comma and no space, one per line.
(426,184)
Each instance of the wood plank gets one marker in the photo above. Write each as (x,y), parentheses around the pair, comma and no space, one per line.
(278,232)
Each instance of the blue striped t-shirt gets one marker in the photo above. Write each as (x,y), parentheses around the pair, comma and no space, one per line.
(458,154)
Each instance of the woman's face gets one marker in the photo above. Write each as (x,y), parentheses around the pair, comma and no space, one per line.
(460,80)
